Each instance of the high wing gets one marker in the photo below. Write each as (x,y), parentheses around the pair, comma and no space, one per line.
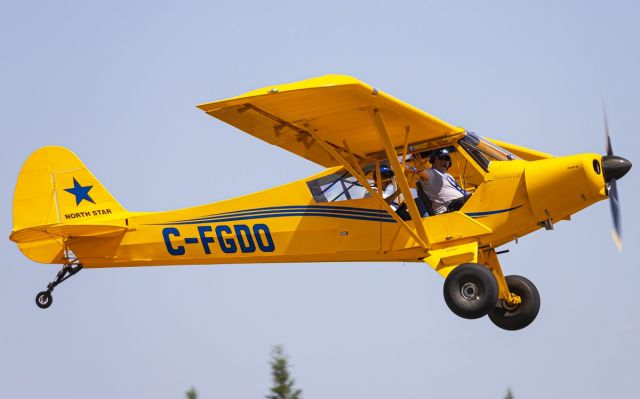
(336,109)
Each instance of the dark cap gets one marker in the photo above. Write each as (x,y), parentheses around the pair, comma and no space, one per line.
(442,153)
(386,172)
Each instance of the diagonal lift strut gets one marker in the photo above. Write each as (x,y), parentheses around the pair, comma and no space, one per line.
(359,175)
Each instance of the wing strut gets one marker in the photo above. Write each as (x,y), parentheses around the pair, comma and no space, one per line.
(400,177)
(359,175)
(406,146)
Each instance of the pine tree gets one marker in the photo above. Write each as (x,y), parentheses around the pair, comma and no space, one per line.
(282,381)
(192,393)
(509,394)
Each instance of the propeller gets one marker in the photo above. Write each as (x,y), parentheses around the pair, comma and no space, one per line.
(613,168)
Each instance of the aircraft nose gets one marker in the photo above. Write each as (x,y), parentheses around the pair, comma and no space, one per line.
(614,167)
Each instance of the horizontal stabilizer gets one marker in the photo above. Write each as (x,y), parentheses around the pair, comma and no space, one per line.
(41,233)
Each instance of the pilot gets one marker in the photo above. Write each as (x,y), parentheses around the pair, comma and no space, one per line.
(441,188)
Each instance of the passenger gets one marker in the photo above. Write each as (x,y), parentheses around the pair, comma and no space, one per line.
(441,188)
(389,192)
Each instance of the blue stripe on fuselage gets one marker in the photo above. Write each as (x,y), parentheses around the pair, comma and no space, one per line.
(489,213)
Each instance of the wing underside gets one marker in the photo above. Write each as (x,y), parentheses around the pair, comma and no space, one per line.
(335,109)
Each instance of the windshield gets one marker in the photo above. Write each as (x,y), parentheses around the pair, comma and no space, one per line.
(483,151)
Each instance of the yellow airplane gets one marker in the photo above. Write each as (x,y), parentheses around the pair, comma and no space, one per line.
(361,208)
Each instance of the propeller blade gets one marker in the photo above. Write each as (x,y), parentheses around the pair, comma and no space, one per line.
(606,131)
(613,169)
(614,201)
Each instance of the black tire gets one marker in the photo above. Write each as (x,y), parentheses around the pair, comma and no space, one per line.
(470,290)
(517,317)
(44,299)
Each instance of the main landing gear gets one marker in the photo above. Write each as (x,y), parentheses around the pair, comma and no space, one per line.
(516,316)
(472,291)
(44,299)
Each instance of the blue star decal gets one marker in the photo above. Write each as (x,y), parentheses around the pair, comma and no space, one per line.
(81,192)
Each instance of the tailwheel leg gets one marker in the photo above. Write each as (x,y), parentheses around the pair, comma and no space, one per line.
(44,299)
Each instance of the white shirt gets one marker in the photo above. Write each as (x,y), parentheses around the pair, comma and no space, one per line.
(389,190)
(441,190)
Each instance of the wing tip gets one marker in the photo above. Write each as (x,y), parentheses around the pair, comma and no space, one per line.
(315,82)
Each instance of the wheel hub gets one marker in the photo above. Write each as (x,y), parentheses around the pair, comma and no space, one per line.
(510,306)
(470,291)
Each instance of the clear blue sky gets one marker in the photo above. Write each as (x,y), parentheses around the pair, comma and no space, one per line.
(117,83)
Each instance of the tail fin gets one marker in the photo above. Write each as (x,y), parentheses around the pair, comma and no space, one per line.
(54,189)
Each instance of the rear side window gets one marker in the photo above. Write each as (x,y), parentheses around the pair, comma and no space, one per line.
(339,186)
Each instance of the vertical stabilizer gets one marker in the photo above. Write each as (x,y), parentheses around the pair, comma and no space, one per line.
(55,188)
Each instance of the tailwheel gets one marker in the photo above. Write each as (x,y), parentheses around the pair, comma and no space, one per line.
(470,290)
(44,299)
(515,317)
(72,265)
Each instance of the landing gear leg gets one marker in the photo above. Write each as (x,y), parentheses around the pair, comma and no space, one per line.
(72,265)
(490,258)
(519,300)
